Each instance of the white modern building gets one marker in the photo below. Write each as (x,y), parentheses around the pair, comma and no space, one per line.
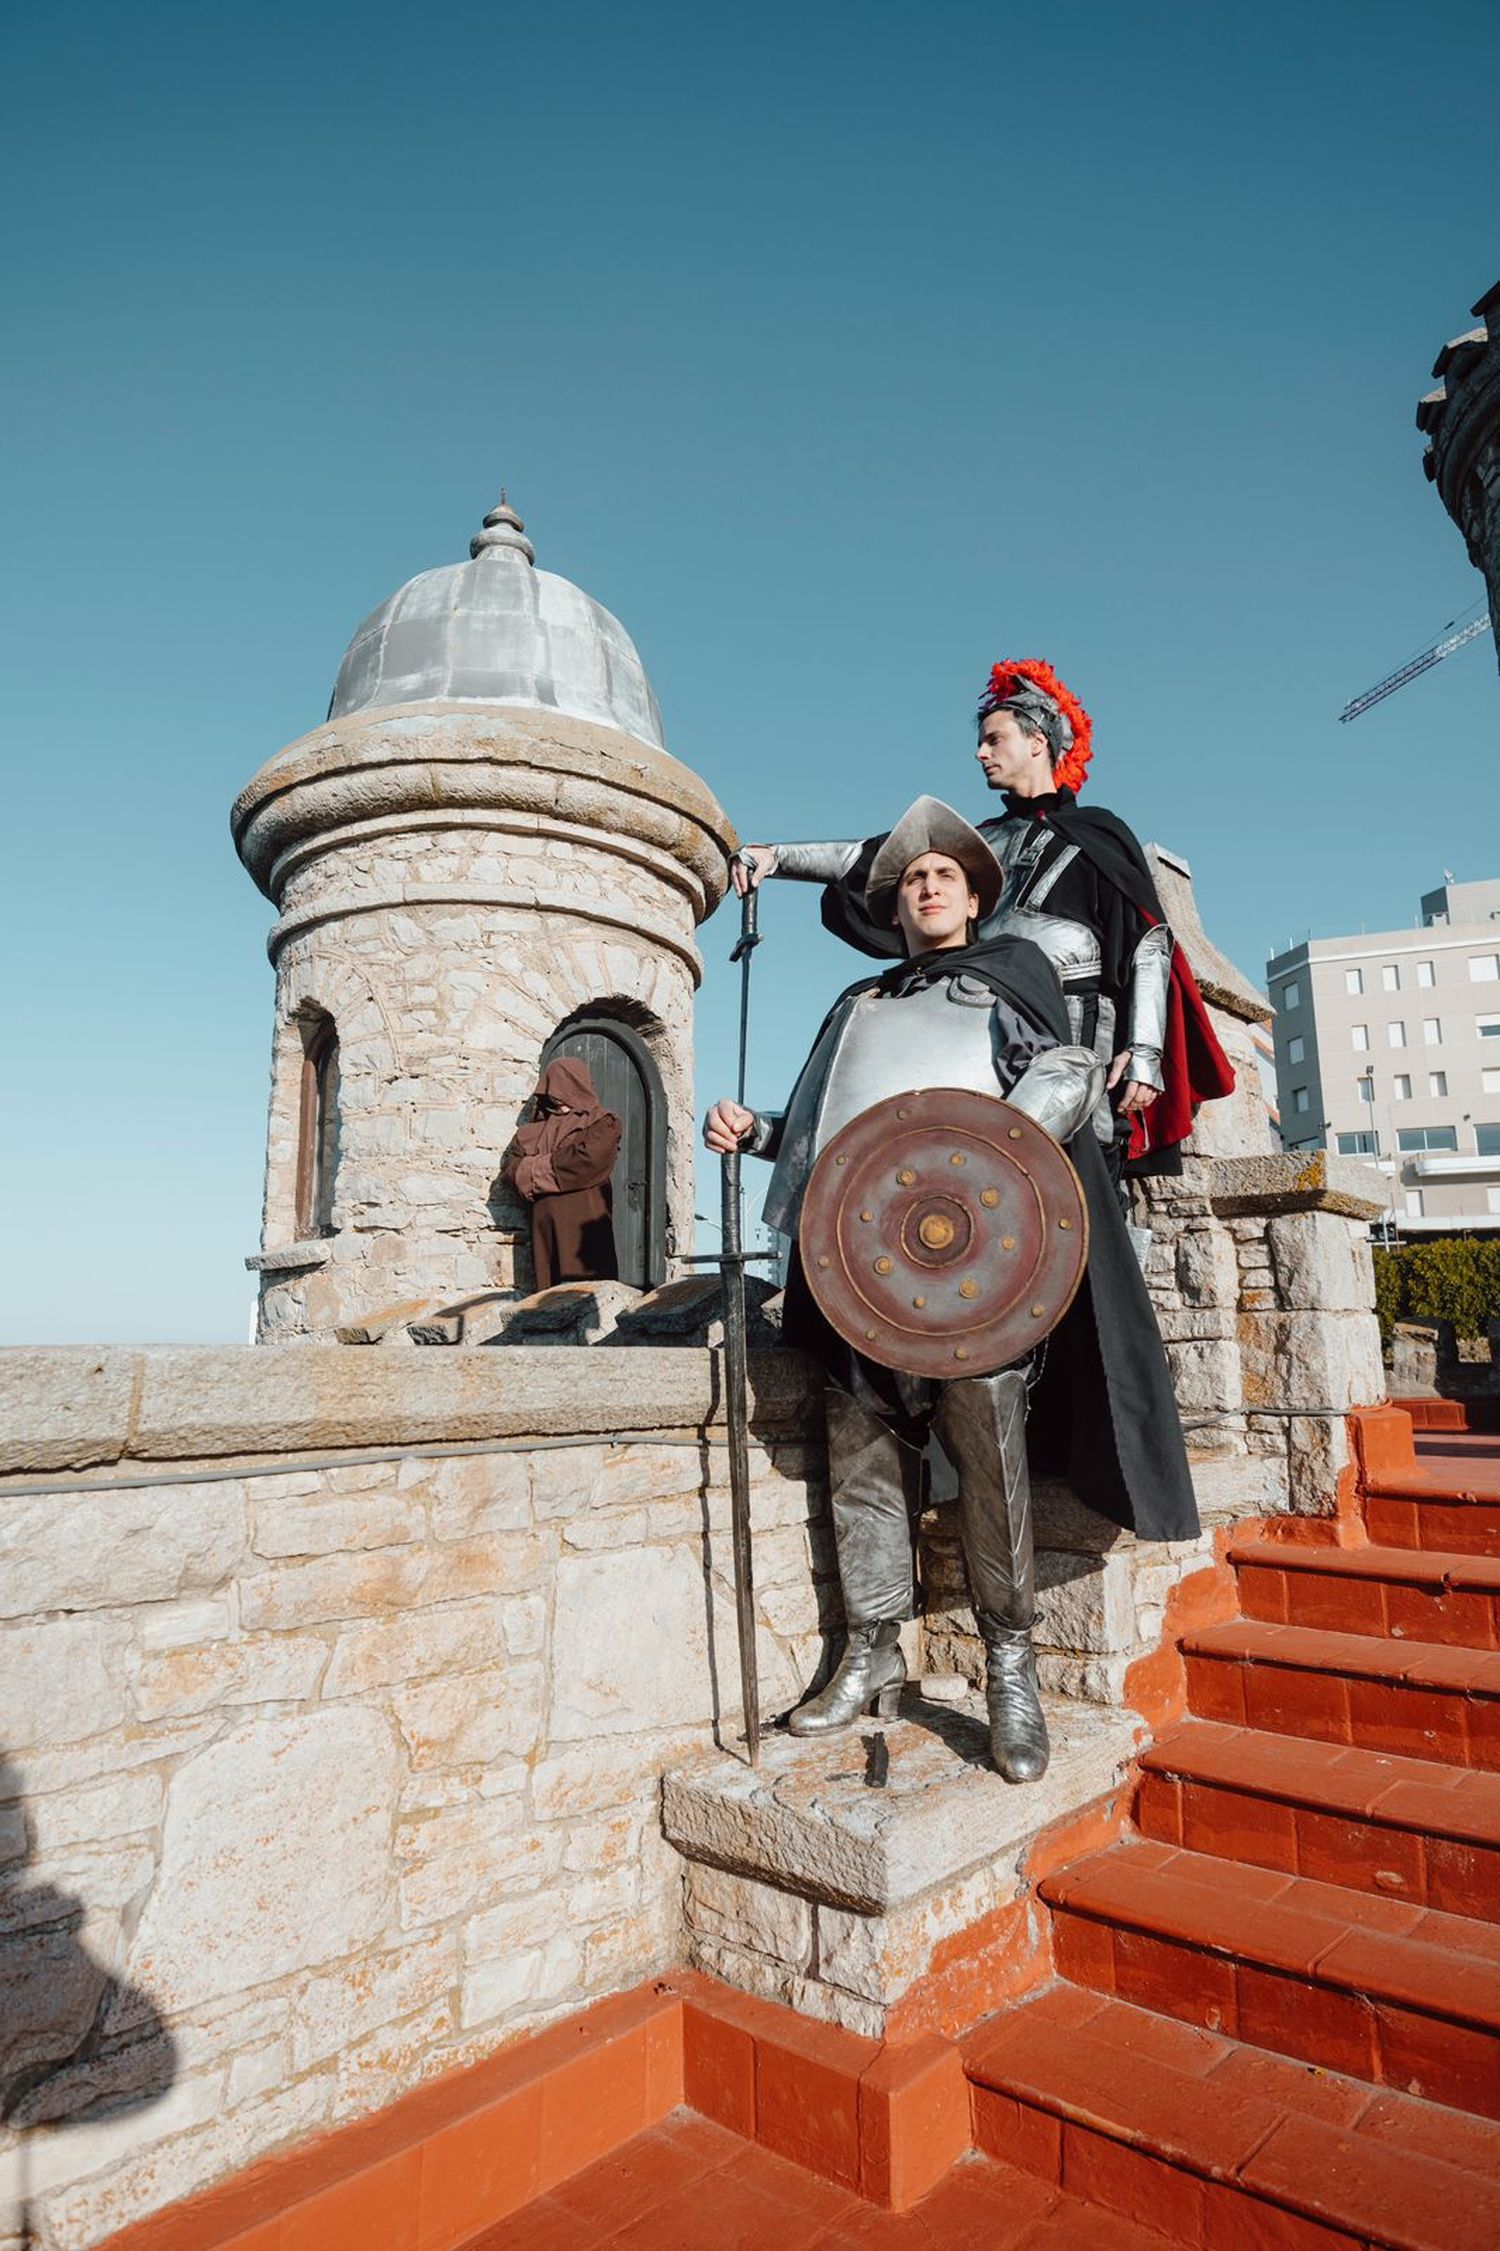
(1388,1048)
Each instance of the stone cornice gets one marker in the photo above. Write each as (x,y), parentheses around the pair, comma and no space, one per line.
(1246,1187)
(426,758)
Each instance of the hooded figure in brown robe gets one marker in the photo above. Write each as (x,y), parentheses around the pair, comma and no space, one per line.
(560,1164)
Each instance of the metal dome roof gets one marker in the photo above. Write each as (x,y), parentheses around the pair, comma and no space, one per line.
(497,630)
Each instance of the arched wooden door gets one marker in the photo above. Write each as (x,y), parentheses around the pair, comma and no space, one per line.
(627,1082)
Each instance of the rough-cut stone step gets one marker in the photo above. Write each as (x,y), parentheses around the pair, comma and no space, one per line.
(1400,1995)
(1220,2142)
(841,1876)
(1400,1592)
(1415,1698)
(873,1817)
(1402,1828)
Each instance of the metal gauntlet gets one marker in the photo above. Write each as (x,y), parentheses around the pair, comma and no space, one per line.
(764,1136)
(815,863)
(1060,1089)
(1146,1029)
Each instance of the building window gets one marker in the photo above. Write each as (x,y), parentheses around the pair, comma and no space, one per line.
(1359,1144)
(1365,1089)
(1299,1098)
(1413,1138)
(1354,980)
(1490,1081)
(1484,969)
(1296,1049)
(1437,1085)
(1395,1033)
(1487,1140)
(1291,995)
(1426,973)
(1390,976)
(1401,1087)
(1432,1031)
(1488,1027)
(1415,1208)
(1361,1038)
(317,1124)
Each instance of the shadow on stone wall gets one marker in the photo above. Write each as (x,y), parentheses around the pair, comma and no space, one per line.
(77,2044)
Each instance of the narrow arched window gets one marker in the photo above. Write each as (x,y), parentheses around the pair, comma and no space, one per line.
(317,1125)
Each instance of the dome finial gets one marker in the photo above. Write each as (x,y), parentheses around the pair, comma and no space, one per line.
(503,533)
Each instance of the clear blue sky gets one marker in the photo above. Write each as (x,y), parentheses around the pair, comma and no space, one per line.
(838,349)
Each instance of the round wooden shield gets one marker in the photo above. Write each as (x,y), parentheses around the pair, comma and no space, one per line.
(944,1233)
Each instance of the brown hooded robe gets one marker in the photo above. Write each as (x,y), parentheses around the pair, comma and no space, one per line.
(561,1165)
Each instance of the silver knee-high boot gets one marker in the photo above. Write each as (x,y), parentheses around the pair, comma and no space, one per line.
(872,1476)
(981,1424)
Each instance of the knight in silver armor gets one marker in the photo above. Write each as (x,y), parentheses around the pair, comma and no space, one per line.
(1076,885)
(956,1014)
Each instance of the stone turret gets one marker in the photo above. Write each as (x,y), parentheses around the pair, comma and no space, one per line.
(1461,418)
(486,847)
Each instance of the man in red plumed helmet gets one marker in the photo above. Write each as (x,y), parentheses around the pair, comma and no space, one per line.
(1078,885)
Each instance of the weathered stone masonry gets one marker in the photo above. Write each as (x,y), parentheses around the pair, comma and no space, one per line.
(351,1765)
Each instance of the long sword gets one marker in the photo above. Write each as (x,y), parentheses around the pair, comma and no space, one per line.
(736,1370)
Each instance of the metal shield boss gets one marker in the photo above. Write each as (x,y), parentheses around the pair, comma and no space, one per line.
(944,1233)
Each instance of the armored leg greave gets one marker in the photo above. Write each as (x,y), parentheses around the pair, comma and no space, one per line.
(873,1480)
(872,1475)
(981,1423)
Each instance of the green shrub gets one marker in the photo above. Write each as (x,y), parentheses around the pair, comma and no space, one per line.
(1390,1292)
(1455,1278)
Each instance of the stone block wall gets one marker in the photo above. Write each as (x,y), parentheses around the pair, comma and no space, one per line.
(332,1745)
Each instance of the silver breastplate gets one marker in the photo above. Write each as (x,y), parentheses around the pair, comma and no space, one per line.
(941,1035)
(1071,947)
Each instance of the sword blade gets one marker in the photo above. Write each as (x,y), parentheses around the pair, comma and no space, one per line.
(736,1416)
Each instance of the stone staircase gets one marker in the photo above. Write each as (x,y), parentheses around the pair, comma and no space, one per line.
(1279,2016)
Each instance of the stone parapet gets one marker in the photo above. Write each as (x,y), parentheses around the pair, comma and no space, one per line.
(84,1408)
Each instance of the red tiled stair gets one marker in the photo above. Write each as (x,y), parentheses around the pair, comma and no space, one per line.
(1424,1700)
(1281,2026)
(1404,1828)
(1407,1593)
(1399,1994)
(1219,2144)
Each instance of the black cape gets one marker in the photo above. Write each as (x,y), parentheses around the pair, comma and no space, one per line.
(1103,1413)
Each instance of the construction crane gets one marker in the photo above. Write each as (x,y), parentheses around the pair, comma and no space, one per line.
(1454,637)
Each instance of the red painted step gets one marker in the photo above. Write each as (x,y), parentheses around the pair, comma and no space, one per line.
(1223,2143)
(1418,1699)
(1406,1594)
(1401,1828)
(1382,1989)
(1443,1520)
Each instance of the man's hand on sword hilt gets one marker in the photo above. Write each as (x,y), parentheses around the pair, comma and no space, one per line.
(726,1127)
(750,866)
